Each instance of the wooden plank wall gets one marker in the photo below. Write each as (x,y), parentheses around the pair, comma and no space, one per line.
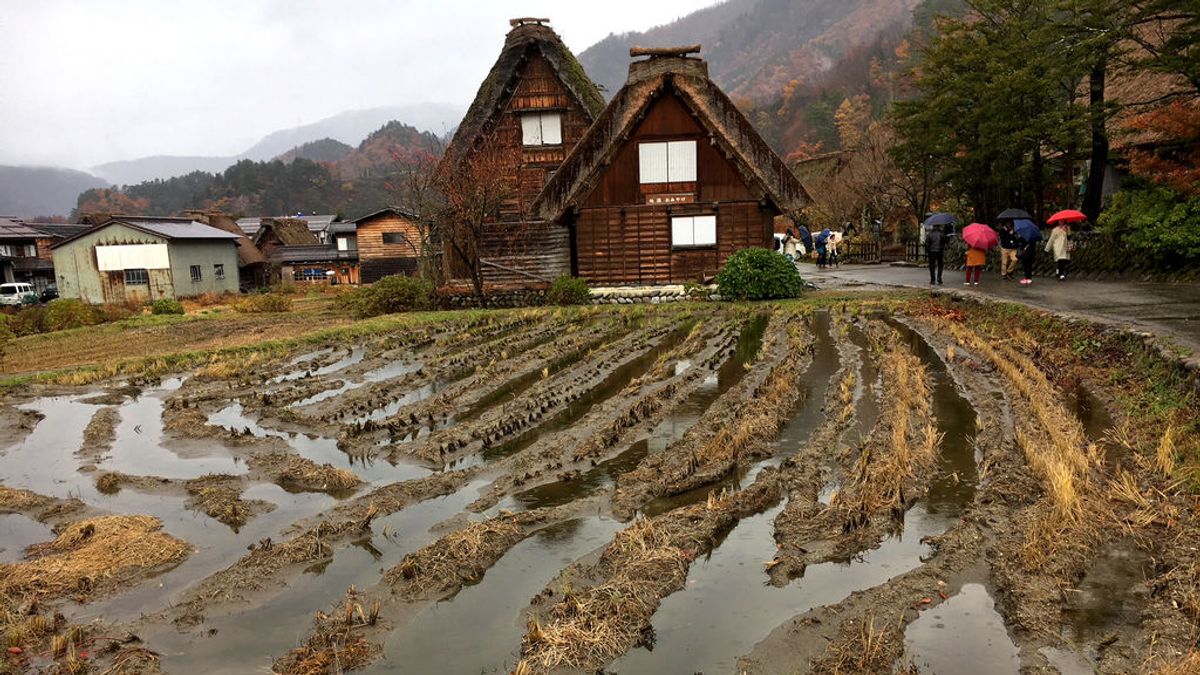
(378,259)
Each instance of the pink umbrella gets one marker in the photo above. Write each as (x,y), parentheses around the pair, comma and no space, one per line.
(980,236)
(1068,216)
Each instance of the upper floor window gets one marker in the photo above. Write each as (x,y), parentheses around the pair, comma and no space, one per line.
(541,128)
(394,238)
(670,162)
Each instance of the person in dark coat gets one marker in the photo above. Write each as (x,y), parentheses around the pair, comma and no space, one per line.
(1028,253)
(1010,244)
(935,251)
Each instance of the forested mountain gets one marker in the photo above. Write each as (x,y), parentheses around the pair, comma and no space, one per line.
(324,150)
(756,48)
(362,180)
(28,191)
(349,127)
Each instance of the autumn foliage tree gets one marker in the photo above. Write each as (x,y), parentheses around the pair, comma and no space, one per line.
(474,190)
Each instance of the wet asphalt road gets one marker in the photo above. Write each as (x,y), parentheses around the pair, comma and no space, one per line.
(1161,308)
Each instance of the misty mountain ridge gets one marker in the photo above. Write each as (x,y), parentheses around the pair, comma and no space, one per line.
(31,191)
(756,48)
(350,127)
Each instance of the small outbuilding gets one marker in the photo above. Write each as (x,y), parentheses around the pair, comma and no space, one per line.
(388,242)
(670,180)
(140,259)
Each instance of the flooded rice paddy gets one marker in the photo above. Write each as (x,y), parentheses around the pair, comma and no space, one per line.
(471,490)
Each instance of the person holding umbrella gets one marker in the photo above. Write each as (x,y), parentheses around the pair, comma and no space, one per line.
(1059,242)
(979,239)
(1029,235)
(1009,241)
(822,241)
(937,227)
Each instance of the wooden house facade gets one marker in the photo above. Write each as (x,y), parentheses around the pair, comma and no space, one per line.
(669,181)
(388,242)
(534,106)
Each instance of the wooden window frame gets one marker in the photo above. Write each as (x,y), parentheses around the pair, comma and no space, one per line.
(197,273)
(145,276)
(219,271)
(667,145)
(540,115)
(692,216)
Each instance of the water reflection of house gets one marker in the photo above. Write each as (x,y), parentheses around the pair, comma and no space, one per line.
(294,253)
(141,258)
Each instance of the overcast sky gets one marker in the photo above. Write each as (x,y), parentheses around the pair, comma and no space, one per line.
(84,82)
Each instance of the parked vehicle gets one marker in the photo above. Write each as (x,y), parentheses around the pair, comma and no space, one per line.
(49,293)
(15,294)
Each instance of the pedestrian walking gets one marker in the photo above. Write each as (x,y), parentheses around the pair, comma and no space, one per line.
(976,259)
(1059,244)
(935,242)
(1009,244)
(1028,255)
(789,245)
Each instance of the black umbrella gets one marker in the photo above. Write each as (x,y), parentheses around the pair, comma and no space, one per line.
(940,220)
(806,238)
(1014,214)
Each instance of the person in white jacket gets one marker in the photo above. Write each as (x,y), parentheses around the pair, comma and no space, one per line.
(1059,244)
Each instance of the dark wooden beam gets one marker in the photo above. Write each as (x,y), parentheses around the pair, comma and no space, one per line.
(664,51)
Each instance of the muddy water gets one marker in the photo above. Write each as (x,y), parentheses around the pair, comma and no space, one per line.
(17,532)
(1112,594)
(248,639)
(963,634)
(320,449)
(389,371)
(139,450)
(728,606)
(952,489)
(800,426)
(489,612)
(1097,422)
(609,387)
(671,428)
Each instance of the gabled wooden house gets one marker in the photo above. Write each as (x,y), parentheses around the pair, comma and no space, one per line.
(669,181)
(536,102)
(388,242)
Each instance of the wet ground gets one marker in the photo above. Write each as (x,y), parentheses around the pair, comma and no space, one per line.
(348,463)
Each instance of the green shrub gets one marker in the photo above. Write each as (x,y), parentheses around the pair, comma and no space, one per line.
(389,295)
(110,312)
(64,313)
(28,321)
(1156,220)
(569,290)
(264,302)
(758,274)
(166,306)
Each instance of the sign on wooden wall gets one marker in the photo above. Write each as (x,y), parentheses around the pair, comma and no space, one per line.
(679,198)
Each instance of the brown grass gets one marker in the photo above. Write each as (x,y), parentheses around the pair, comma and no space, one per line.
(89,554)
(1054,445)
(308,475)
(19,501)
(336,644)
(456,559)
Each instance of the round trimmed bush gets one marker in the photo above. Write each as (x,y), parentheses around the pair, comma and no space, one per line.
(391,294)
(759,274)
(166,306)
(568,290)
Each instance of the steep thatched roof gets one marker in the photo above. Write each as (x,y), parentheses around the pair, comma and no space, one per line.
(248,254)
(687,78)
(289,232)
(526,37)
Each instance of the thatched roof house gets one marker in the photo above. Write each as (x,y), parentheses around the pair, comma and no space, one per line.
(284,232)
(670,180)
(535,103)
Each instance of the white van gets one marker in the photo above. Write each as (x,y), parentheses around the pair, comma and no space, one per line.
(14,294)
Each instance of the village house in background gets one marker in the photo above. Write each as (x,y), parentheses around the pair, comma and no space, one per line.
(670,180)
(25,250)
(536,102)
(295,255)
(141,259)
(388,242)
(321,226)
(253,268)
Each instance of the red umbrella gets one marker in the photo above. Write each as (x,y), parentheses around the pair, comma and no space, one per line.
(978,235)
(1068,216)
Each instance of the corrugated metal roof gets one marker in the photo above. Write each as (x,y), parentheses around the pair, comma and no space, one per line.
(177,228)
(317,223)
(311,254)
(15,229)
